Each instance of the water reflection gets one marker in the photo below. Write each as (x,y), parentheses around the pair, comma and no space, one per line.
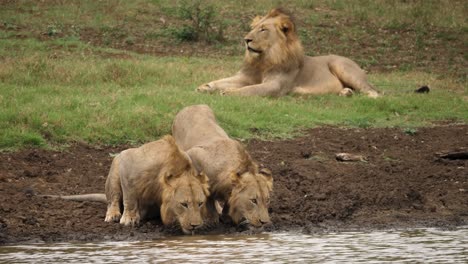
(413,246)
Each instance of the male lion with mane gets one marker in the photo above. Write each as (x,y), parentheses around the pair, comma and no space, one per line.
(154,179)
(275,65)
(236,182)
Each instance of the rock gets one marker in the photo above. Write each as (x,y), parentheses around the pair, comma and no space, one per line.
(349,157)
(423,89)
(460,154)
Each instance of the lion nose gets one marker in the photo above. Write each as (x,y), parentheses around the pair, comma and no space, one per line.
(195,226)
(263,222)
(247,40)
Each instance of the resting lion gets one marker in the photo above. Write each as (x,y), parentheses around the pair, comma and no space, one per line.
(275,65)
(235,179)
(157,175)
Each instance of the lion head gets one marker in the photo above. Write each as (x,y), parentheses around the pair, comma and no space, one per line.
(250,198)
(273,42)
(184,193)
(250,195)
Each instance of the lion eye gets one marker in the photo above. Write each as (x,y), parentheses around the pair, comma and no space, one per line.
(263,29)
(254,201)
(184,205)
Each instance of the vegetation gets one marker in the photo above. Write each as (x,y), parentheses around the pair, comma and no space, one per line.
(204,23)
(113,72)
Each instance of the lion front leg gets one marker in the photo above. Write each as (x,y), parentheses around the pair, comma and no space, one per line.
(113,192)
(131,213)
(236,81)
(263,89)
(276,84)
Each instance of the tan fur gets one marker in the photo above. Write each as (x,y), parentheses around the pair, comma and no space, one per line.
(275,65)
(156,175)
(235,179)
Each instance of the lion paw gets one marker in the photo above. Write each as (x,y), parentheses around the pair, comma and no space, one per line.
(113,213)
(112,217)
(205,88)
(373,94)
(130,218)
(227,92)
(346,92)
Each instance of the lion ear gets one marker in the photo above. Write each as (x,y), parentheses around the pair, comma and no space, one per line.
(268,177)
(202,177)
(287,26)
(265,172)
(168,177)
(236,176)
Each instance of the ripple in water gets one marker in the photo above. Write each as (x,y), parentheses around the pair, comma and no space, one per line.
(418,245)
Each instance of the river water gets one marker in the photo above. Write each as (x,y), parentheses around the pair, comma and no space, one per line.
(408,246)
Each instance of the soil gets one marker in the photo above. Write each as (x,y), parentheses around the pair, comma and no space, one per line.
(402,183)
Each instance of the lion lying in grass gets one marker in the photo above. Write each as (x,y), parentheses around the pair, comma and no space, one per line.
(275,65)
(235,179)
(157,175)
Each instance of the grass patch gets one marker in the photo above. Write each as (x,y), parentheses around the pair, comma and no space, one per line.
(112,100)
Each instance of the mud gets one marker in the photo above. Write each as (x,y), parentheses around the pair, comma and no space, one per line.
(401,183)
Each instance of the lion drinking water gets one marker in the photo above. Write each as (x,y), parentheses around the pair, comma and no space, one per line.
(235,179)
(154,178)
(275,65)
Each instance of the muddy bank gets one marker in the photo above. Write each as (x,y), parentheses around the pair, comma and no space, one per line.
(400,184)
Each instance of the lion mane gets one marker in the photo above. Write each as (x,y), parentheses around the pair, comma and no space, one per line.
(285,54)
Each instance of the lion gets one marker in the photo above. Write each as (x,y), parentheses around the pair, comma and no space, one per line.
(236,182)
(155,178)
(275,65)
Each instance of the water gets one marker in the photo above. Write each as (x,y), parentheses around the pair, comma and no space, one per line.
(414,246)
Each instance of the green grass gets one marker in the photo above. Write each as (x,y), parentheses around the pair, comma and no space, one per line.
(61,89)
(113,101)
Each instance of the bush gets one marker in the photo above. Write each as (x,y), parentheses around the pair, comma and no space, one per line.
(204,23)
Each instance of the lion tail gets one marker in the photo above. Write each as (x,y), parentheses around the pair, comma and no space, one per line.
(90,197)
